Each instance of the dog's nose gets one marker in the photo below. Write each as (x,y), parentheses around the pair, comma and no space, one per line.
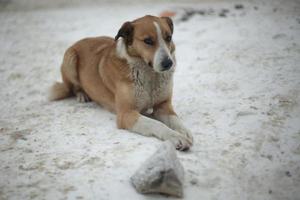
(166,64)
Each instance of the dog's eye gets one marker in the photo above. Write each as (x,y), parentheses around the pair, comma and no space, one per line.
(149,41)
(168,38)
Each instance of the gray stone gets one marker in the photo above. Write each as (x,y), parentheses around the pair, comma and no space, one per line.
(161,173)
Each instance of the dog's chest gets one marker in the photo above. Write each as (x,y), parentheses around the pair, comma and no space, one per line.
(150,87)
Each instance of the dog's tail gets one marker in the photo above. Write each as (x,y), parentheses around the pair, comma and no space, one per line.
(69,76)
(59,91)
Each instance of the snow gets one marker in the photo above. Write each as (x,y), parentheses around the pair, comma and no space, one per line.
(237,87)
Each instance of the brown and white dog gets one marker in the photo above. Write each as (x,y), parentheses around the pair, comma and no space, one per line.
(128,75)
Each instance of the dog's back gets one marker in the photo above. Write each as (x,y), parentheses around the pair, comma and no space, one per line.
(81,59)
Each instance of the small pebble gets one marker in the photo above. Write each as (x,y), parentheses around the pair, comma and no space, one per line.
(238,6)
(194,181)
(288,174)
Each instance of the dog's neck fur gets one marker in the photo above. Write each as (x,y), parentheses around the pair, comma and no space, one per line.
(150,87)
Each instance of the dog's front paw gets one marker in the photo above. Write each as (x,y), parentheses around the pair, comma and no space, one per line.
(186,133)
(181,142)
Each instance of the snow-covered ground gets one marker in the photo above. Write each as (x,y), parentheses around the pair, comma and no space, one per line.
(237,87)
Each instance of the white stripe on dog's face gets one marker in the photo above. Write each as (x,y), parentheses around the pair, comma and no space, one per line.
(162,51)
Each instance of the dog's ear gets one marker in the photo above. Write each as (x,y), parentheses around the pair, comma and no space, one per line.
(169,22)
(126,32)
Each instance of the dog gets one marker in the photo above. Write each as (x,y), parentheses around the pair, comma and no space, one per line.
(128,75)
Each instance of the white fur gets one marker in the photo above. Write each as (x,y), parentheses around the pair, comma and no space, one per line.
(122,52)
(162,51)
(150,87)
(173,122)
(150,127)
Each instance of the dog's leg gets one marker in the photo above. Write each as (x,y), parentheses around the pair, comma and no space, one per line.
(133,121)
(130,119)
(164,112)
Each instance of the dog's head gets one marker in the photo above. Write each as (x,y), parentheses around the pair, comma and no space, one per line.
(148,38)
